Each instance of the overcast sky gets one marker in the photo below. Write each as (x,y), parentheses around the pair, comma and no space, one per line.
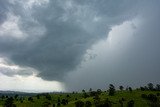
(66,45)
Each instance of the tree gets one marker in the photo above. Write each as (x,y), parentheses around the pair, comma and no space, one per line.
(16,96)
(64,102)
(38,96)
(59,100)
(85,95)
(152,97)
(46,104)
(53,105)
(142,88)
(9,102)
(3,97)
(79,104)
(121,88)
(158,87)
(90,90)
(83,91)
(30,99)
(111,89)
(130,89)
(121,103)
(130,103)
(48,97)
(150,86)
(99,91)
(88,104)
(67,96)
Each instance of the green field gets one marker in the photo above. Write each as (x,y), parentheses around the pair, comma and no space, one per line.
(135,95)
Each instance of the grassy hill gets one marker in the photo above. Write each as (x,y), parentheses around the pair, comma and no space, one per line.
(139,98)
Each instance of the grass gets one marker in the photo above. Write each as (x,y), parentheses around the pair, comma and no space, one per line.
(134,95)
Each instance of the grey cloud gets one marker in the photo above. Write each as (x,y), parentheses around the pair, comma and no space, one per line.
(3,10)
(69,30)
(134,62)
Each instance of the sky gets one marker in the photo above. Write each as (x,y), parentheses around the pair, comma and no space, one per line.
(55,45)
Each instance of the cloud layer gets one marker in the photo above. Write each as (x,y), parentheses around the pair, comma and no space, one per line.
(130,56)
(53,36)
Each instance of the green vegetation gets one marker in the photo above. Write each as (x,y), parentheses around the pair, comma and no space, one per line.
(143,97)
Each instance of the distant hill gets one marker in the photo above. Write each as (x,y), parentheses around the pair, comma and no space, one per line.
(13,93)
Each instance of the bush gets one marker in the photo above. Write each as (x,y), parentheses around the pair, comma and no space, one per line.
(88,104)
(154,104)
(30,99)
(46,104)
(58,104)
(48,97)
(130,103)
(79,104)
(54,105)
(64,101)
(123,99)
(67,96)
(9,103)
(93,93)
(99,91)
(144,96)
(152,97)
(85,95)
(121,103)
(16,96)
(105,103)
(38,96)
(142,88)
(158,94)
(97,98)
(130,89)
(111,90)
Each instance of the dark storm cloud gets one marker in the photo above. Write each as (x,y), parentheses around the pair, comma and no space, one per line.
(57,34)
(132,62)
(3,10)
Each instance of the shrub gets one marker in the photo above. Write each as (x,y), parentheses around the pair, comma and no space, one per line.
(142,88)
(99,91)
(85,95)
(58,104)
(48,97)
(107,103)
(121,103)
(54,105)
(9,103)
(79,104)
(38,96)
(96,98)
(154,104)
(64,101)
(46,104)
(123,99)
(152,97)
(88,104)
(111,89)
(130,89)
(30,99)
(144,96)
(130,103)
(67,96)
(93,93)
(158,94)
